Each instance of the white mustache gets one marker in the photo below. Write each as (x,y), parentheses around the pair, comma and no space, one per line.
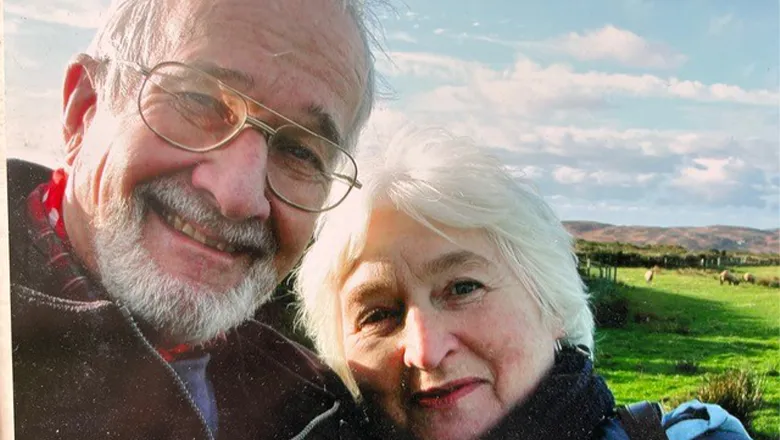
(175,196)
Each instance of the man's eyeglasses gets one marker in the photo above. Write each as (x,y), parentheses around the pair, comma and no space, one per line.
(195,111)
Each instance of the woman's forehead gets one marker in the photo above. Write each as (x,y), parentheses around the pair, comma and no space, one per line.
(399,249)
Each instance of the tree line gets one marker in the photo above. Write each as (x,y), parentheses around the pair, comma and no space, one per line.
(668,256)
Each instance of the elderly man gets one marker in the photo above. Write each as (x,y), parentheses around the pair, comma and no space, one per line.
(202,139)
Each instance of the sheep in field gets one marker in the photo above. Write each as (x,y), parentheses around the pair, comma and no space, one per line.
(749,278)
(649,276)
(729,277)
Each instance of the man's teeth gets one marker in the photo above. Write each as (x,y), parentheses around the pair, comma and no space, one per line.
(187,229)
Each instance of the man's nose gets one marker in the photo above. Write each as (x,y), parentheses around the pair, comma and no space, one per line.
(427,339)
(235,176)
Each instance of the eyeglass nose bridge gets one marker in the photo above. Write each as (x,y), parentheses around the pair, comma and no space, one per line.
(258,125)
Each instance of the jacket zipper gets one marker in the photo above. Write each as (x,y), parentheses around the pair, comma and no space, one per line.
(168,367)
(315,421)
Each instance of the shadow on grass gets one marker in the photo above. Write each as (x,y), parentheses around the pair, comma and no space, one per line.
(667,330)
(703,315)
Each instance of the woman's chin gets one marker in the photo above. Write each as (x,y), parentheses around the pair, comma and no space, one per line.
(462,429)
(448,433)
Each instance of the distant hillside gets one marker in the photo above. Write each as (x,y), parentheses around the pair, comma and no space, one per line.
(728,238)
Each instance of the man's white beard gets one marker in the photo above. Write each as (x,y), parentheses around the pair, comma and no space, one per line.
(182,312)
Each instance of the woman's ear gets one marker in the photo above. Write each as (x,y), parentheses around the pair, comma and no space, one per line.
(79,102)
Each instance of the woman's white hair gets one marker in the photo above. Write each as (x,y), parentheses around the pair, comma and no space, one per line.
(433,176)
(138,31)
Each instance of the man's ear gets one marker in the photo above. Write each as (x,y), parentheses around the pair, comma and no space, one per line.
(79,102)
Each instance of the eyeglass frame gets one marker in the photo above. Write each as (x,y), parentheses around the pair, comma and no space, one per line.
(250,121)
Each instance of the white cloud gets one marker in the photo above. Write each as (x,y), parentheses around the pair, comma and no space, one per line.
(644,154)
(401,36)
(716,179)
(635,165)
(430,65)
(532,172)
(710,171)
(607,43)
(76,13)
(439,31)
(623,46)
(569,175)
(606,177)
(645,178)
(527,81)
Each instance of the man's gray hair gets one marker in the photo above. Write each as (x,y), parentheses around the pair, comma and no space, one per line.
(435,177)
(134,30)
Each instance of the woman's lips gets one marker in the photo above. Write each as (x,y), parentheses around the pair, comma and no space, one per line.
(447,395)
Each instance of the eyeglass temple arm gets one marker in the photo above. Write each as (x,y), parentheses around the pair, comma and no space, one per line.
(350,180)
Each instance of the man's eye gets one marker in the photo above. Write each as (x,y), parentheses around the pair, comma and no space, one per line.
(207,106)
(203,111)
(463,288)
(297,151)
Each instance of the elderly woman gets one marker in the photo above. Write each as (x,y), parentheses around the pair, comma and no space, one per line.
(446,295)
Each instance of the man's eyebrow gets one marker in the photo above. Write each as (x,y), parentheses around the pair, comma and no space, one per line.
(454,259)
(325,124)
(234,78)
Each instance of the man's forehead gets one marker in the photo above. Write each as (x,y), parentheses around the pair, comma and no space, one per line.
(270,45)
(284,27)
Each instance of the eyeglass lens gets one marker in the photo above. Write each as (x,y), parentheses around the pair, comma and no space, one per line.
(194,111)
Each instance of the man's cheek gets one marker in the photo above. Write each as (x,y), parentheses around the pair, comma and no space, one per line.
(292,231)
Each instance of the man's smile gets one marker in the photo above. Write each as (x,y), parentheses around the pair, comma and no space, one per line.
(186,228)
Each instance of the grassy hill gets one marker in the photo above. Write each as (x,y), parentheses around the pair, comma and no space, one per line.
(728,238)
(684,326)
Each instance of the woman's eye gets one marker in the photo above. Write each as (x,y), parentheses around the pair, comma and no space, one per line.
(384,318)
(462,288)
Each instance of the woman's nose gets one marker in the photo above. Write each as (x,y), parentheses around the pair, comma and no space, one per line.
(427,339)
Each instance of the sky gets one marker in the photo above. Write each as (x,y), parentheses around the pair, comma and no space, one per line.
(633,112)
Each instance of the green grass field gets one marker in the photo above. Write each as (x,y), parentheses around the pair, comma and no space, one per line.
(761,272)
(691,317)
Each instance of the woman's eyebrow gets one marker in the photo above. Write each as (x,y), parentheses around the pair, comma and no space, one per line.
(452,260)
(365,292)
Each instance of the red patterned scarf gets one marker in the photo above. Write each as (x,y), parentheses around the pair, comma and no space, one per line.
(53,195)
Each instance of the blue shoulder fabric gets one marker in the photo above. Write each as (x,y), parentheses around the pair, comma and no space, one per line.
(692,420)
(696,420)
